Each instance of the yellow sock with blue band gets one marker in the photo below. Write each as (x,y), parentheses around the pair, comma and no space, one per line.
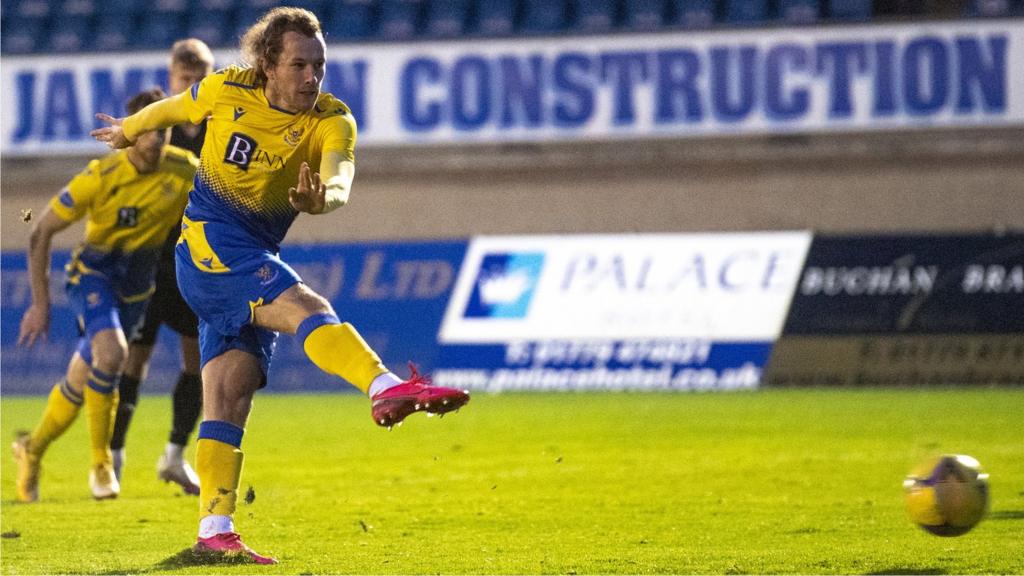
(336,348)
(100,408)
(62,407)
(219,466)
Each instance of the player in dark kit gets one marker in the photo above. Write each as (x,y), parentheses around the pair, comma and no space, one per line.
(191,61)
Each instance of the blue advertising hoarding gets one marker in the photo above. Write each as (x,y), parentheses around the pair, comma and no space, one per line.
(394,293)
(906,310)
(970,283)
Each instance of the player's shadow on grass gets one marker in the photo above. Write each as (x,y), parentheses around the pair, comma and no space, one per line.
(188,558)
(903,571)
(1007,515)
(184,559)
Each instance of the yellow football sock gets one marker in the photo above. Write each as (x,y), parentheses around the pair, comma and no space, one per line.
(338,349)
(100,410)
(219,466)
(62,408)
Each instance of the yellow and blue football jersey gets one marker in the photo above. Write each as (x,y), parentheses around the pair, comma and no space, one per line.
(129,216)
(253,151)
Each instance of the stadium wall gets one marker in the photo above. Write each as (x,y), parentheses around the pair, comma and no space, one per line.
(901,130)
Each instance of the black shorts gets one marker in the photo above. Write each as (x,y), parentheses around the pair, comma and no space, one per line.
(167,306)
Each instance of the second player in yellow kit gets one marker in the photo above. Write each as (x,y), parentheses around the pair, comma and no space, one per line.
(131,199)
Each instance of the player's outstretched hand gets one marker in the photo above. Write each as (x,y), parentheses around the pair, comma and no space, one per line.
(112,135)
(34,325)
(309,194)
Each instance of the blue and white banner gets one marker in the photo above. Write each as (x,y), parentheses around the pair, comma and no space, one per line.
(678,84)
(651,311)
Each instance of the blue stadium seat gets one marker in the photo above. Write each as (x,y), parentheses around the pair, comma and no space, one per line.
(253,9)
(693,13)
(799,11)
(115,31)
(30,9)
(347,19)
(214,27)
(400,19)
(644,14)
(852,10)
(318,7)
(115,7)
(446,18)
(746,11)
(542,16)
(988,8)
(69,34)
(170,6)
(595,16)
(78,8)
(159,30)
(495,17)
(23,35)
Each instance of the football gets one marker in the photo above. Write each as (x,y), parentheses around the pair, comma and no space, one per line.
(948,495)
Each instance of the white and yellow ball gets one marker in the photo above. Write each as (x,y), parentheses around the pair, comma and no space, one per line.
(948,495)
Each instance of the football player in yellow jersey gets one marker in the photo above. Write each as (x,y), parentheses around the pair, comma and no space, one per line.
(131,199)
(267,124)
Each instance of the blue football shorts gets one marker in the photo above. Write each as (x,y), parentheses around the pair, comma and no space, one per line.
(97,307)
(224,275)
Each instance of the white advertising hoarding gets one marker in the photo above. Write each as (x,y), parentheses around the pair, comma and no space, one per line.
(722,287)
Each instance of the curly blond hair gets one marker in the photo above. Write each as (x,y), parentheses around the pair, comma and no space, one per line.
(263,42)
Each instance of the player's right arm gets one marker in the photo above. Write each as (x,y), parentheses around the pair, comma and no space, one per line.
(192,105)
(35,324)
(70,205)
(121,132)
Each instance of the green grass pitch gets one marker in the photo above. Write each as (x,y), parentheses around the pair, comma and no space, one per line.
(788,481)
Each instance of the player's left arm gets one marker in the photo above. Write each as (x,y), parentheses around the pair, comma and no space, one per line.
(328,189)
(324,191)
(337,172)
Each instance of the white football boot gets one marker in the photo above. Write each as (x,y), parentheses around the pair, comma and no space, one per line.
(177,470)
(103,482)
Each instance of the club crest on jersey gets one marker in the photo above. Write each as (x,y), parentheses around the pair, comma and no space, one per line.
(293,137)
(265,274)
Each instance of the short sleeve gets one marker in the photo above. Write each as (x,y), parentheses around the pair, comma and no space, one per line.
(201,96)
(77,197)
(338,134)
